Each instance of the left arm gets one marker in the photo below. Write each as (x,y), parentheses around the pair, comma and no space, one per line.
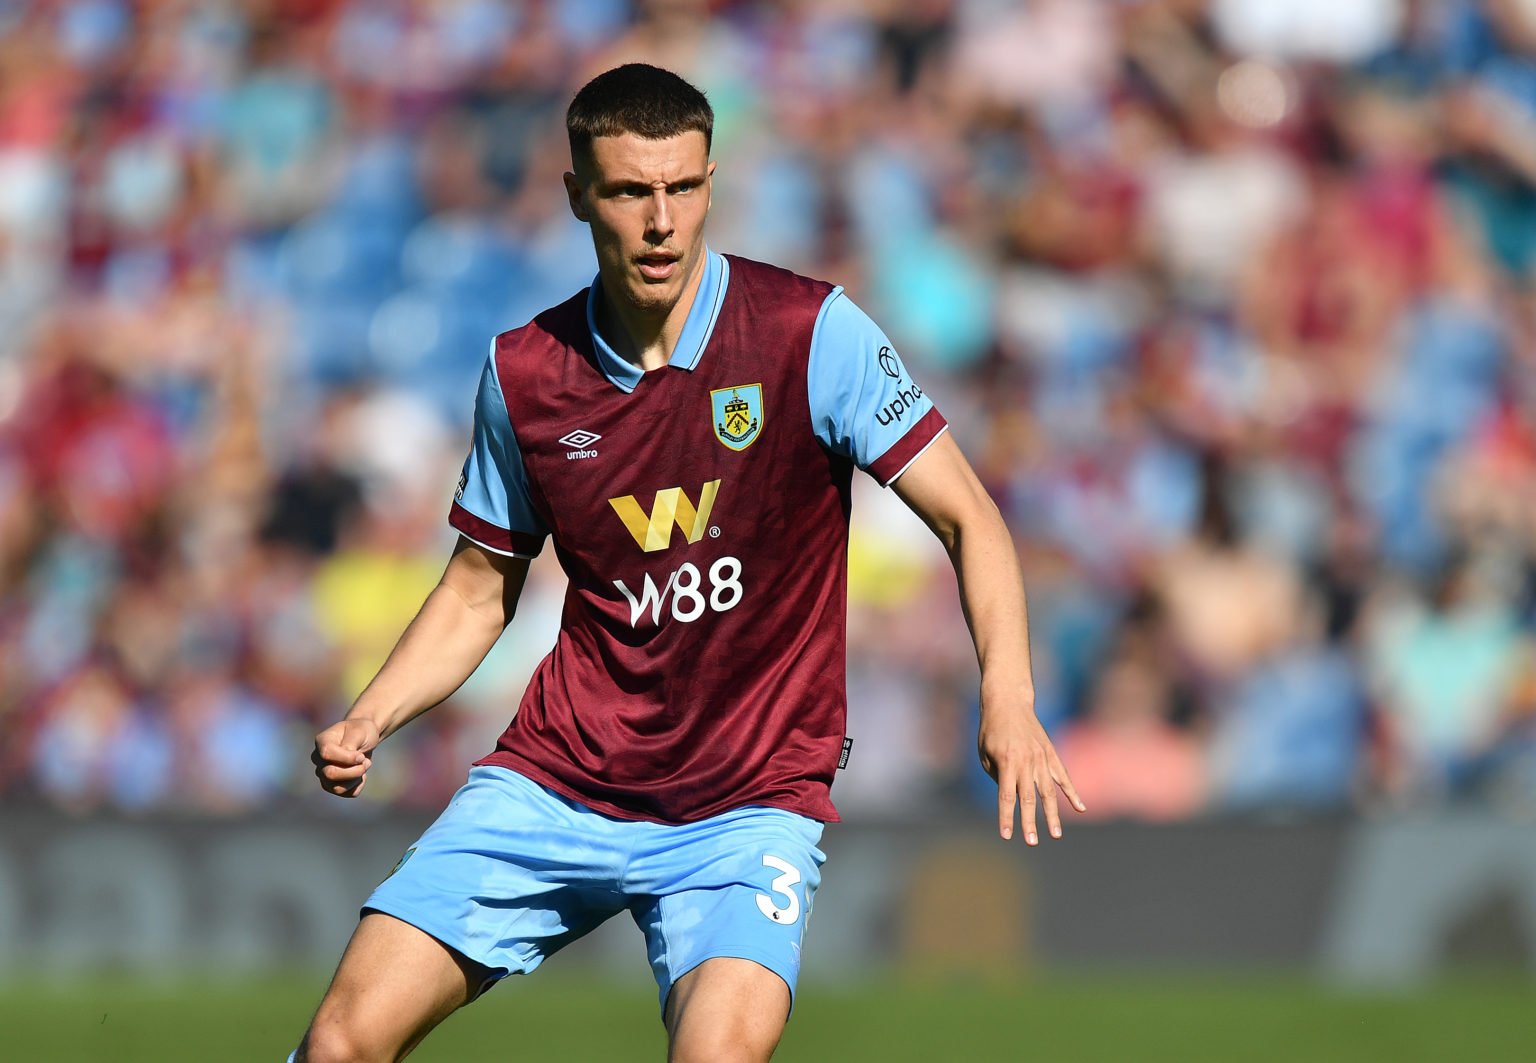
(942,488)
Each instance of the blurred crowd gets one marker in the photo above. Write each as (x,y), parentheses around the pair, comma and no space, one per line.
(1230,302)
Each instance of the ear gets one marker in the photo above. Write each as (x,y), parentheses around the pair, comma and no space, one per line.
(709,181)
(574,197)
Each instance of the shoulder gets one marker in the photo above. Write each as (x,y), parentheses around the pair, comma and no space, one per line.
(843,320)
(560,327)
(762,280)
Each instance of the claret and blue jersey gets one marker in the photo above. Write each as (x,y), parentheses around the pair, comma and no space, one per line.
(700,512)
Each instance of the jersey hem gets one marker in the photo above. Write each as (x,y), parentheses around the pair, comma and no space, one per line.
(504,758)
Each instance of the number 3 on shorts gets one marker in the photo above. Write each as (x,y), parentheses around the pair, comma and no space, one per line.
(782,886)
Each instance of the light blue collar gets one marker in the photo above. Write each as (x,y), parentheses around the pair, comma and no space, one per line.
(696,330)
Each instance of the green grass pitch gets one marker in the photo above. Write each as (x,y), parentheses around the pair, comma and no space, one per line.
(557,1018)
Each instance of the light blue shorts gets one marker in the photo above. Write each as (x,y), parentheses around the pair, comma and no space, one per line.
(511,872)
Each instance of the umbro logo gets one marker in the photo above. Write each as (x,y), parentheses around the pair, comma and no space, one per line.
(581,442)
(580,439)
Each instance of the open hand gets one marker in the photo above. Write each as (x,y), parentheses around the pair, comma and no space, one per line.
(1018,753)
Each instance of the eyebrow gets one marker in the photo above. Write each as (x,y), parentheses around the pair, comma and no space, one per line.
(620,183)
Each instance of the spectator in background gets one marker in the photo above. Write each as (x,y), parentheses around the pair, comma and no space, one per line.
(1445,667)
(96,746)
(1291,733)
(1140,765)
(1229,604)
(1232,299)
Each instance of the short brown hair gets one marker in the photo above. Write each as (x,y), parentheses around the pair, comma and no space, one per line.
(652,103)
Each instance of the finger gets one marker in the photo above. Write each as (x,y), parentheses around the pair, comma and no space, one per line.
(344,787)
(1052,813)
(1065,782)
(343,772)
(335,753)
(1007,798)
(1031,821)
(349,789)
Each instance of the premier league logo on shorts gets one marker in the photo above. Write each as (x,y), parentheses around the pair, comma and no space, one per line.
(738,414)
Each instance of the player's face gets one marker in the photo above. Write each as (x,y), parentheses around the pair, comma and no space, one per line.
(646,201)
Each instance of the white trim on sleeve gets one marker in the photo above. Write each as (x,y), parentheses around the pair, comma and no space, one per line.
(897,474)
(503,553)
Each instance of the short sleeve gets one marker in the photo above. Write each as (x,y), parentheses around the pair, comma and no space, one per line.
(864,404)
(492,505)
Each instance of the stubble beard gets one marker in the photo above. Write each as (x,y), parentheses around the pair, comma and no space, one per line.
(656,298)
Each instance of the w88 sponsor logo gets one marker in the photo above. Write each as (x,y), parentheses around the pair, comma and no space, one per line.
(684,592)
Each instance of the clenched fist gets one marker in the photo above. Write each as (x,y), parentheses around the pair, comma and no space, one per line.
(343,754)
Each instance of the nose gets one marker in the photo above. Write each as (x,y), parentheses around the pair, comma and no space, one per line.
(659,226)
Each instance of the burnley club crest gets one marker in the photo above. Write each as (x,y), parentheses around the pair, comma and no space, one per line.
(738,414)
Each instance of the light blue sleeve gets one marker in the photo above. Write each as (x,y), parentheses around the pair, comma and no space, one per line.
(492,505)
(864,404)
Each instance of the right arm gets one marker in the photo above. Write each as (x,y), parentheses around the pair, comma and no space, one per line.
(456,627)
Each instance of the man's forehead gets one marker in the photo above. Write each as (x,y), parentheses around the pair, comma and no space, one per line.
(632,157)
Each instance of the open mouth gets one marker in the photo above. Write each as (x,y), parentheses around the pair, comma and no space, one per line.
(657,267)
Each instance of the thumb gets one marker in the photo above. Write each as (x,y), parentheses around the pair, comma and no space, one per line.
(363,736)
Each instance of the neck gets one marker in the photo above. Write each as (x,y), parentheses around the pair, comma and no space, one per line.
(647,337)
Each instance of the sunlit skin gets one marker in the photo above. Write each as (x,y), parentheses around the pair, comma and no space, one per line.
(646,201)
